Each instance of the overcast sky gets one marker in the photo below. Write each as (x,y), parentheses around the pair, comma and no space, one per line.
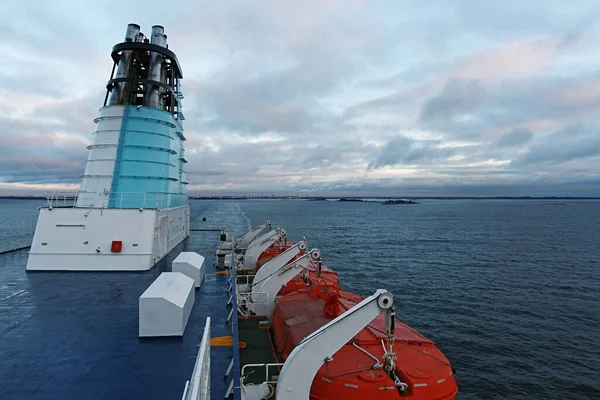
(405,97)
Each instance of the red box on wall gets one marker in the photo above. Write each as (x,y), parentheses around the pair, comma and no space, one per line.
(116,246)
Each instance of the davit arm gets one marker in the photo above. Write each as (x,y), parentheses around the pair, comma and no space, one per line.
(278,262)
(260,244)
(308,356)
(275,281)
(249,237)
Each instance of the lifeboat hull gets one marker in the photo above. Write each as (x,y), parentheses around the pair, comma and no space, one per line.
(353,374)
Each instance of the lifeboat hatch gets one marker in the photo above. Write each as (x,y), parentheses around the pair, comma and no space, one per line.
(372,376)
(296,320)
(418,373)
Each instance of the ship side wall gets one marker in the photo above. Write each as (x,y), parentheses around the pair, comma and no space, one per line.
(177,222)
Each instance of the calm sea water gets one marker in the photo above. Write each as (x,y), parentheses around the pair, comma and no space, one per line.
(17,222)
(508,289)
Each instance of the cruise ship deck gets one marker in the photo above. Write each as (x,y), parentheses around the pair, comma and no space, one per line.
(72,335)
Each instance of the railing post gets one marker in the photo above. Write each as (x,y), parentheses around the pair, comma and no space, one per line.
(144,202)
(121,203)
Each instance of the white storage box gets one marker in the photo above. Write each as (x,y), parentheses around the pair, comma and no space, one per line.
(190,264)
(166,305)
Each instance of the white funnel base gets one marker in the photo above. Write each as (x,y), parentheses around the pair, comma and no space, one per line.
(81,239)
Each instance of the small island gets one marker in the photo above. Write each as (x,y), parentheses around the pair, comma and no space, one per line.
(316,199)
(351,200)
(391,202)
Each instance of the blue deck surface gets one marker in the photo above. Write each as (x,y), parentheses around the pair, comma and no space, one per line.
(68,335)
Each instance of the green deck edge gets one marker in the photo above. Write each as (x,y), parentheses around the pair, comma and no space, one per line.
(258,349)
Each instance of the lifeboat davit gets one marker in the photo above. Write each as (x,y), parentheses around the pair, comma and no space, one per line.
(273,251)
(312,299)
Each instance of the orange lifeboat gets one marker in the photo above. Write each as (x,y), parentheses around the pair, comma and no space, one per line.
(323,276)
(327,278)
(312,299)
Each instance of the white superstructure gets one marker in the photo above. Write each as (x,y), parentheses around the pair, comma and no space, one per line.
(132,207)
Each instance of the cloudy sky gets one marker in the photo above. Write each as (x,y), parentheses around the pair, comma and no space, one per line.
(404,97)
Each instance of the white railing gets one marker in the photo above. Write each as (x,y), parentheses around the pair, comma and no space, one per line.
(243,279)
(258,306)
(138,199)
(244,283)
(198,387)
(269,378)
(117,200)
(61,199)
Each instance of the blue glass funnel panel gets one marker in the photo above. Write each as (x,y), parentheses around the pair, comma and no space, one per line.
(148,161)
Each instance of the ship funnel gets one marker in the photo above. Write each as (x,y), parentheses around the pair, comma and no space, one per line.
(154,96)
(136,160)
(158,36)
(124,66)
(132,31)
(145,72)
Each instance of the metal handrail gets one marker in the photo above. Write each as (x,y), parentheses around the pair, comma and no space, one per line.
(246,304)
(266,366)
(111,199)
(198,387)
(53,198)
(236,381)
(243,283)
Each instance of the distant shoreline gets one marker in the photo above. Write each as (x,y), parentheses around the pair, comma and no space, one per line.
(354,198)
(22,198)
(322,198)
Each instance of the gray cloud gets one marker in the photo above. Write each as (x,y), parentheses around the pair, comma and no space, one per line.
(456,99)
(403,150)
(468,109)
(282,94)
(515,137)
(568,144)
(257,106)
(48,144)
